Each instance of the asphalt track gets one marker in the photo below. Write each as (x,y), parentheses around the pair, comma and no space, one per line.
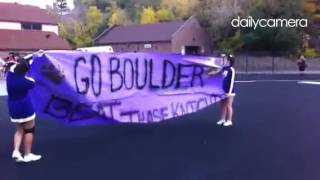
(276,136)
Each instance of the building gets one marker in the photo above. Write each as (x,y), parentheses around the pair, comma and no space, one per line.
(186,37)
(25,29)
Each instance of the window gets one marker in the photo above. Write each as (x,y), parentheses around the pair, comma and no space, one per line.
(31,26)
(26,26)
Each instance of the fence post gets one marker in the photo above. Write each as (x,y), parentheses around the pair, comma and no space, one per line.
(272,63)
(246,63)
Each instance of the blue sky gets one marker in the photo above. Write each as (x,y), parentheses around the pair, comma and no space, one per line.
(39,3)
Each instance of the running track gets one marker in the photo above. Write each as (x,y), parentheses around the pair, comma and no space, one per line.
(276,136)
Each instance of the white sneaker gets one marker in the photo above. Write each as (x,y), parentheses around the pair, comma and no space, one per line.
(31,157)
(221,122)
(227,123)
(16,155)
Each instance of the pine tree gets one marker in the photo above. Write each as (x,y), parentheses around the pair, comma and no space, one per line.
(61,6)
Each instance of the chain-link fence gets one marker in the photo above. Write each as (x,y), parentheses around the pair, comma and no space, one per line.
(273,64)
(263,64)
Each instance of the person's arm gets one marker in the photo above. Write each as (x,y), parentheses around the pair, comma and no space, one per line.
(213,71)
(30,82)
(232,79)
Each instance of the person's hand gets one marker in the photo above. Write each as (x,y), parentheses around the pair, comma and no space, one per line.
(213,71)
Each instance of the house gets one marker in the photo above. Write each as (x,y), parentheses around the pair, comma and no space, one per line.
(25,29)
(186,37)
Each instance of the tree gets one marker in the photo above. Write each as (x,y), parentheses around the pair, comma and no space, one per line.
(148,16)
(81,32)
(282,40)
(215,16)
(164,15)
(81,37)
(118,17)
(180,8)
(61,6)
(103,5)
(125,4)
(93,21)
(232,44)
(66,31)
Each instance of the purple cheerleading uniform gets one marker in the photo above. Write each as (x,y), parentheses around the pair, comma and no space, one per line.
(228,81)
(19,103)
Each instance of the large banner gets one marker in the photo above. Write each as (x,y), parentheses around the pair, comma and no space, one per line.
(83,88)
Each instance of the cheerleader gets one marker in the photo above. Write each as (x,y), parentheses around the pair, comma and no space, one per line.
(228,87)
(21,110)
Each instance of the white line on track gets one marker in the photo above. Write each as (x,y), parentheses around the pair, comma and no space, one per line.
(250,81)
(292,80)
(309,82)
(296,80)
(245,81)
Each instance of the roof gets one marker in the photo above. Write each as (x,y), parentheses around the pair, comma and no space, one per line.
(31,40)
(140,33)
(13,12)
